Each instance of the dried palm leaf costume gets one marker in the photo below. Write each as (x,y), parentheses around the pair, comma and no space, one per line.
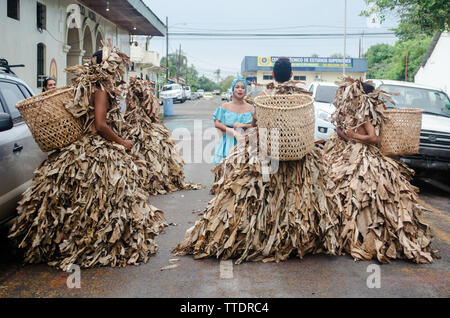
(377,205)
(152,142)
(252,218)
(86,204)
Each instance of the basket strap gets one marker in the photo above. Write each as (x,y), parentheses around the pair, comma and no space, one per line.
(265,171)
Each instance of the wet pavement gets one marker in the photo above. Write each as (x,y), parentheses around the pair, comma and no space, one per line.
(313,276)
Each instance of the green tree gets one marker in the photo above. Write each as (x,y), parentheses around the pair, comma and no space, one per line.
(207,84)
(217,73)
(225,84)
(415,50)
(389,62)
(178,64)
(314,55)
(379,57)
(416,16)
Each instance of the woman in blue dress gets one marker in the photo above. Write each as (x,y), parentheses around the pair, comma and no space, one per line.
(230,119)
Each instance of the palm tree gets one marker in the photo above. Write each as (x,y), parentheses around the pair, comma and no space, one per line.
(217,73)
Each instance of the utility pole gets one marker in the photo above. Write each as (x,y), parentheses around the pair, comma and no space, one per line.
(406,69)
(179,64)
(167,49)
(345,38)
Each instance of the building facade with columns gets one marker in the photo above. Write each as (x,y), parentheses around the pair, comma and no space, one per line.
(49,35)
(145,63)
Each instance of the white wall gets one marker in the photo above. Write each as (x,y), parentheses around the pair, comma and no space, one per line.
(20,38)
(436,71)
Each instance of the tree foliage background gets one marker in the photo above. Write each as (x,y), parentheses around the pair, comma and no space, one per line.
(389,61)
(416,16)
(178,65)
(420,20)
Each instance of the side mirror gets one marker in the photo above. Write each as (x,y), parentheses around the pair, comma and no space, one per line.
(6,122)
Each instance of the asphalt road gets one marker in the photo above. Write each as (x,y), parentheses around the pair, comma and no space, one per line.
(314,276)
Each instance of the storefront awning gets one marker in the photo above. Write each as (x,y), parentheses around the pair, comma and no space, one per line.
(131,15)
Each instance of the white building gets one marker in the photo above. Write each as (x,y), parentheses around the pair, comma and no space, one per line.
(49,35)
(144,62)
(259,69)
(435,67)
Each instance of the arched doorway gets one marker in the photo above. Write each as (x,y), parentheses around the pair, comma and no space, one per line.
(74,53)
(88,46)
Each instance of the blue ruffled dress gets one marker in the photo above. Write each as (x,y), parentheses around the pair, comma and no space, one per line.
(228,118)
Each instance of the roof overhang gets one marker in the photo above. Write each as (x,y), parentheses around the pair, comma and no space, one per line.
(132,15)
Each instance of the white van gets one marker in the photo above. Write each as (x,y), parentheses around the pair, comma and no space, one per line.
(323,94)
(187,92)
(174,91)
(434,151)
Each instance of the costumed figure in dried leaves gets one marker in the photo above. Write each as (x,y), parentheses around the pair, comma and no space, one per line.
(261,216)
(152,141)
(86,204)
(377,206)
(231,119)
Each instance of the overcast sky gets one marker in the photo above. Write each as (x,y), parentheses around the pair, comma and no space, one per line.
(262,16)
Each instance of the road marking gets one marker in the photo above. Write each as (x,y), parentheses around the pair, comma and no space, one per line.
(226,269)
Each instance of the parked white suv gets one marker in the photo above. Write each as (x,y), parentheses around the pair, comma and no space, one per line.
(174,91)
(323,94)
(19,154)
(434,151)
(187,92)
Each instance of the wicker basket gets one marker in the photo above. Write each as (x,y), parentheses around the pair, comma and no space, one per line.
(51,125)
(400,131)
(289,123)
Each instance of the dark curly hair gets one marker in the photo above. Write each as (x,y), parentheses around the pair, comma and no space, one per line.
(282,70)
(99,56)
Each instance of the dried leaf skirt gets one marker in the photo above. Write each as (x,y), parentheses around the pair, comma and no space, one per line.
(86,206)
(253,220)
(156,149)
(377,205)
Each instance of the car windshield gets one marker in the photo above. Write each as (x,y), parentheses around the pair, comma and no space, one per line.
(431,101)
(169,87)
(325,94)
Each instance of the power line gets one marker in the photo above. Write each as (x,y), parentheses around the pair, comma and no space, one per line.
(271,28)
(273,35)
(260,38)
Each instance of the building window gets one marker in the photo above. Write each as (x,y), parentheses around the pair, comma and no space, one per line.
(40,64)
(299,78)
(267,77)
(41,17)
(13,8)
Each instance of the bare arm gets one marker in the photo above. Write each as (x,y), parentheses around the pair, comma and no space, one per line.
(342,134)
(254,121)
(101,108)
(240,125)
(224,129)
(370,138)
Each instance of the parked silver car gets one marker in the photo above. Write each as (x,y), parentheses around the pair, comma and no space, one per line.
(19,154)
